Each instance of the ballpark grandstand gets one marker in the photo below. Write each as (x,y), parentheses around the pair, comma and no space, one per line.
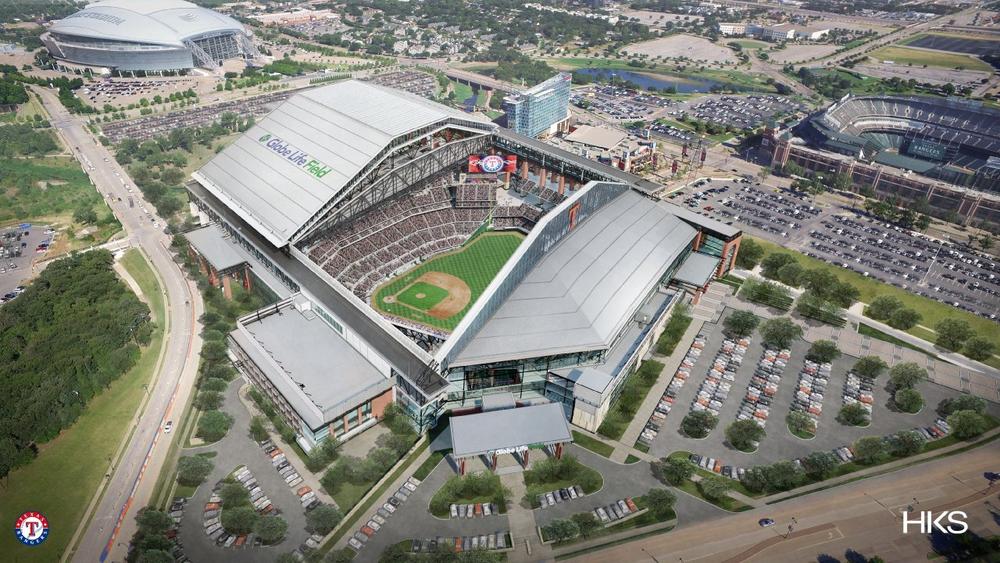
(147,35)
(459,259)
(946,139)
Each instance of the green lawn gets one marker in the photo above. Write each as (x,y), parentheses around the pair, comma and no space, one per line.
(422,295)
(462,91)
(429,464)
(64,477)
(931,311)
(751,44)
(919,57)
(476,263)
(732,78)
(623,410)
(727,503)
(592,444)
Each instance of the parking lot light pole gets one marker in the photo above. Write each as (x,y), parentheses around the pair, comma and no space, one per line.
(933,260)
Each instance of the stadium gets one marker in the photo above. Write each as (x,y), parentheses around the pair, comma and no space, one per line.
(457,259)
(951,140)
(147,35)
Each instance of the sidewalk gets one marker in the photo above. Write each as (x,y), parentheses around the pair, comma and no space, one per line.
(523,529)
(613,538)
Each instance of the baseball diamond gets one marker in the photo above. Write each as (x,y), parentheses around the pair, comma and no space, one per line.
(438,292)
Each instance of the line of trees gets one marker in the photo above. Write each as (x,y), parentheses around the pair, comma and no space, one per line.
(62,342)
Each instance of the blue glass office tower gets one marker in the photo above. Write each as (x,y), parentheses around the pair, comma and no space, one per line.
(537,110)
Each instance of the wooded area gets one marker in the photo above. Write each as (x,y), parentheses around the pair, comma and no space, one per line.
(62,342)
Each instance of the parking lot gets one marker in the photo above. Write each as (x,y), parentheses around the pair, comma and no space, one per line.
(936,269)
(619,103)
(779,443)
(18,249)
(740,112)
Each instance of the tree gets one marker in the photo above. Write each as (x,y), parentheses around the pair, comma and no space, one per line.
(953,333)
(772,263)
(213,425)
(193,470)
(906,375)
(749,254)
(790,273)
(908,400)
(560,530)
(870,367)
(800,424)
(258,428)
(783,475)
(966,424)
(741,323)
(819,465)
(323,518)
(85,215)
(155,556)
(869,449)
(153,522)
(208,400)
(904,319)
(233,495)
(270,529)
(715,487)
(962,403)
(743,434)
(985,241)
(883,306)
(779,332)
(214,384)
(754,479)
(697,424)
(672,471)
(239,520)
(586,522)
(853,414)
(660,502)
(979,348)
(823,351)
(906,443)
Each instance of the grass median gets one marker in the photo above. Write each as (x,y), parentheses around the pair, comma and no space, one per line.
(61,481)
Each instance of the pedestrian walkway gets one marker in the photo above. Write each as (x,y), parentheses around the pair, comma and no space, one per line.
(736,495)
(523,530)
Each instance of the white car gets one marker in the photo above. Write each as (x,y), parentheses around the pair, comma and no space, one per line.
(168,427)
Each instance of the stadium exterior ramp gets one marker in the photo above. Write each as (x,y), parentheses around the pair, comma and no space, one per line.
(331,152)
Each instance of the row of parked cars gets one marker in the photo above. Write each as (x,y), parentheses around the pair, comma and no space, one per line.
(813,380)
(552,498)
(756,405)
(616,510)
(495,540)
(476,510)
(212,515)
(669,396)
(292,478)
(375,523)
(721,375)
(858,389)
(176,513)
(716,466)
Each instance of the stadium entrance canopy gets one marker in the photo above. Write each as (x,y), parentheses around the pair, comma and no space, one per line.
(509,431)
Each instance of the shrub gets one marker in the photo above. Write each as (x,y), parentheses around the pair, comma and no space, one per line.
(782,476)
(819,465)
(780,332)
(906,443)
(823,351)
(561,530)
(979,348)
(258,428)
(904,319)
(660,502)
(799,423)
(323,518)
(239,520)
(883,306)
(586,522)
(697,424)
(715,487)
(754,479)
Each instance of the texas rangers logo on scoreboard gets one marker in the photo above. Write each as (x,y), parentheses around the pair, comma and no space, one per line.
(492,163)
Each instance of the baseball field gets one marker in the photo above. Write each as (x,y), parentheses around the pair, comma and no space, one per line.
(438,292)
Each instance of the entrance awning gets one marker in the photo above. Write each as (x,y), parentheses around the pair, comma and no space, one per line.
(697,269)
(509,430)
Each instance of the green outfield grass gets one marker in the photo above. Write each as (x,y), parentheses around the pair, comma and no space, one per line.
(919,57)
(475,263)
(60,482)
(750,44)
(422,295)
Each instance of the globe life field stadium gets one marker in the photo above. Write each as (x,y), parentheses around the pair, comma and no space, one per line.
(147,35)
(403,276)
(945,151)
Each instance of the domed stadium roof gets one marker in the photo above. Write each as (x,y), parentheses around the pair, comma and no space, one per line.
(160,22)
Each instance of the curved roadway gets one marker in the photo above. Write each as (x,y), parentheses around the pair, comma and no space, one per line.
(136,468)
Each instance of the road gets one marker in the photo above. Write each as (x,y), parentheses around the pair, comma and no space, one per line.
(142,456)
(863,516)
